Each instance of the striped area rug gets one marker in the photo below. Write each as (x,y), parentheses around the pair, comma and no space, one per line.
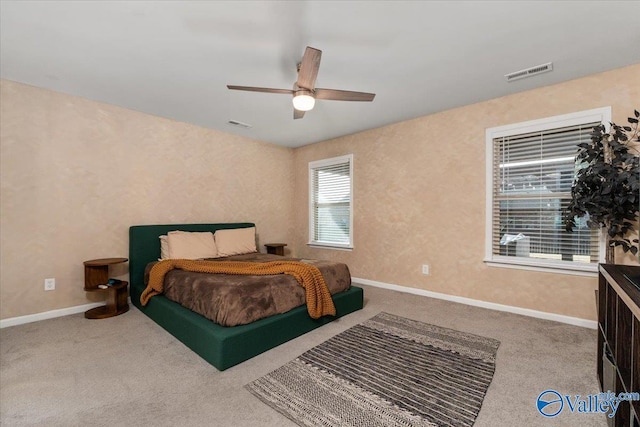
(386,371)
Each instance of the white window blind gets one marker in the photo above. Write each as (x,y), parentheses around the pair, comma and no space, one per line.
(330,188)
(531,177)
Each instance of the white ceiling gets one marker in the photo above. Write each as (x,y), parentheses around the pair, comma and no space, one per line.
(174,59)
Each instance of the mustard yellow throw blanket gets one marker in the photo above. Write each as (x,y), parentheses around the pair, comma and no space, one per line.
(318,297)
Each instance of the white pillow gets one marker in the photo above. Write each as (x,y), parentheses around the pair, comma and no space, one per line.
(191,245)
(164,248)
(236,241)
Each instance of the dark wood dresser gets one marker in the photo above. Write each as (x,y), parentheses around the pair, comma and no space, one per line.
(619,338)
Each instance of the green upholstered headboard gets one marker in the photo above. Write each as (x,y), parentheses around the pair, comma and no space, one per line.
(144,245)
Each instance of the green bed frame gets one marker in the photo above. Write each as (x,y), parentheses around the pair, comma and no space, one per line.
(221,346)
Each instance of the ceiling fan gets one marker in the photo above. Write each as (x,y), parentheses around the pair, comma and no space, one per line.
(304,91)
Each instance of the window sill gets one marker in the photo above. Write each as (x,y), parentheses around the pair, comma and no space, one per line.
(317,245)
(589,270)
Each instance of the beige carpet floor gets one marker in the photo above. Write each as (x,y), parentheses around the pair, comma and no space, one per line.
(127,371)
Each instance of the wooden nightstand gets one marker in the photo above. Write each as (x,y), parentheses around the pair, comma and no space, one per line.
(275,248)
(96,272)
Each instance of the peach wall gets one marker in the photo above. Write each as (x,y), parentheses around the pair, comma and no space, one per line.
(419,197)
(75,174)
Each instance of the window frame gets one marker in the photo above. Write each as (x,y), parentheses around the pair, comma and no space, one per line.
(602,115)
(312,167)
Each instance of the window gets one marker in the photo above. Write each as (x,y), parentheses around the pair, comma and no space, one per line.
(530,171)
(330,207)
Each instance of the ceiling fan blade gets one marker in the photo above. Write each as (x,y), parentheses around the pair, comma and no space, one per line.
(343,95)
(309,68)
(261,89)
(297,114)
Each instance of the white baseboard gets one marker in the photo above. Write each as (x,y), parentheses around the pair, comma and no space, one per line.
(591,324)
(13,321)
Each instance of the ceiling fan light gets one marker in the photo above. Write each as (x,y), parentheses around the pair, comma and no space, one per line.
(303,102)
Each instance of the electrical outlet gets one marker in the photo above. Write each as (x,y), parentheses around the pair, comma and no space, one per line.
(49,284)
(425,269)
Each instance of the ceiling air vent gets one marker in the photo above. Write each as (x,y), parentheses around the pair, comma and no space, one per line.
(240,124)
(538,69)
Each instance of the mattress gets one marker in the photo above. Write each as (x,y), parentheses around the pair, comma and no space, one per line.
(232,300)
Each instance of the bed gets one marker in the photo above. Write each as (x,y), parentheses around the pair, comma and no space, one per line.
(223,347)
